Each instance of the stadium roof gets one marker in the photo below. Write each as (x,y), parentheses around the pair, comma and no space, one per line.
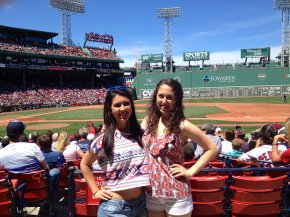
(27,32)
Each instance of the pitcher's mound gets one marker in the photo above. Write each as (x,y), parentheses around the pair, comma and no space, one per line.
(46,126)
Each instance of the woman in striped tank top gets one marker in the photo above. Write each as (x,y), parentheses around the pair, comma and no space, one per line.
(121,156)
(166,133)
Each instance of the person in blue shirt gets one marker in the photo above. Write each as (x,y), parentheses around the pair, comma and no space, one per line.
(53,158)
(83,143)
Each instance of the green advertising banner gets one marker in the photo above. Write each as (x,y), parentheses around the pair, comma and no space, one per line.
(255,52)
(193,56)
(152,58)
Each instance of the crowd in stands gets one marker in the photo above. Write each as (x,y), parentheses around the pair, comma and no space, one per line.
(235,144)
(56,148)
(54,49)
(54,96)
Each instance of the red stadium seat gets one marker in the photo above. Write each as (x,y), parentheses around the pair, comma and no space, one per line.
(85,205)
(257,195)
(208,195)
(36,185)
(5,195)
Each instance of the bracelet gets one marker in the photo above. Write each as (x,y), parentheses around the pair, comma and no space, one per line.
(96,192)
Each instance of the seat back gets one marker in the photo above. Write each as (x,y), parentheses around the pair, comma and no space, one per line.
(5,195)
(257,195)
(36,185)
(85,205)
(208,195)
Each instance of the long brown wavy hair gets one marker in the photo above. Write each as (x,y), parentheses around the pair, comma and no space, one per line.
(177,114)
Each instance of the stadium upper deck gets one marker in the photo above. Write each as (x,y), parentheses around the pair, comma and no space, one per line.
(35,70)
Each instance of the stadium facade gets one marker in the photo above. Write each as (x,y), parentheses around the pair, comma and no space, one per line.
(261,78)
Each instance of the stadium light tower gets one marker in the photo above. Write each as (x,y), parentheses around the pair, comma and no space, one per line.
(167,14)
(284,5)
(67,8)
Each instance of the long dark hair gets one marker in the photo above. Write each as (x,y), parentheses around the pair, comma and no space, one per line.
(111,125)
(267,133)
(177,114)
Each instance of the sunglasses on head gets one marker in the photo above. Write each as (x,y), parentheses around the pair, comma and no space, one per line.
(112,89)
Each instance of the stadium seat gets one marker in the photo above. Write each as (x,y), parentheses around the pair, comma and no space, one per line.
(36,185)
(85,205)
(208,195)
(257,195)
(11,198)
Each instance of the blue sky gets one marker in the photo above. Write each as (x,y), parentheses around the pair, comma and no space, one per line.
(222,27)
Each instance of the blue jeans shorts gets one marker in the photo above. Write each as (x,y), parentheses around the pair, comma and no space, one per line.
(122,208)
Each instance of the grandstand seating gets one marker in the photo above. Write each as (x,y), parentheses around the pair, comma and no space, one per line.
(208,195)
(257,195)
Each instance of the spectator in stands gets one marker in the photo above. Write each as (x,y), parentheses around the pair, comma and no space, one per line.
(121,156)
(24,138)
(189,150)
(71,151)
(209,130)
(278,139)
(90,137)
(33,136)
(253,143)
(91,128)
(5,141)
(20,157)
(218,132)
(262,153)
(53,158)
(83,143)
(54,138)
(227,146)
(237,145)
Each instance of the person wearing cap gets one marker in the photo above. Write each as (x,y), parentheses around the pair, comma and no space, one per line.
(218,132)
(20,157)
(209,130)
(24,157)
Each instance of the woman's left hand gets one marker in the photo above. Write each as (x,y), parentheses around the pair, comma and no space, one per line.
(177,170)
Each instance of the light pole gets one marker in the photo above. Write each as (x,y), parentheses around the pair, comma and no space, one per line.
(67,8)
(167,14)
(284,5)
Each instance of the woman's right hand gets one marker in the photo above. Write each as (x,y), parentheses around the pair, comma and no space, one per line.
(103,194)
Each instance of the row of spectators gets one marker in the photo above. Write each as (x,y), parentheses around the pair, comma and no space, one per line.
(53,96)
(256,148)
(61,50)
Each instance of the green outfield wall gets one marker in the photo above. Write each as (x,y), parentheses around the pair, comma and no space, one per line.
(226,83)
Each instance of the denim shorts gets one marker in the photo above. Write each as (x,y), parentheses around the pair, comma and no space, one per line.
(121,208)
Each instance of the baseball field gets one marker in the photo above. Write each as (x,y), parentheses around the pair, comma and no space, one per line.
(250,113)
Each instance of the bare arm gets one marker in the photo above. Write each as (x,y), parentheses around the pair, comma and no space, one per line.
(86,163)
(189,130)
(80,153)
(43,164)
(275,157)
(144,123)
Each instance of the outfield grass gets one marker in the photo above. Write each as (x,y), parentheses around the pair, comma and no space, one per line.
(80,114)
